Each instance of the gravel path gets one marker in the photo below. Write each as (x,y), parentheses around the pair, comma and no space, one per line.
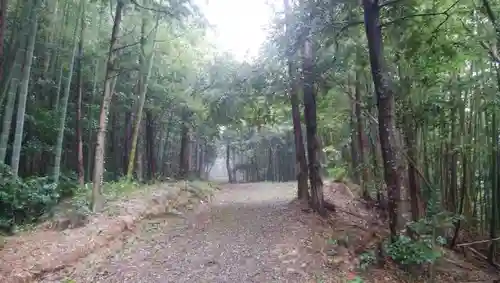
(249,233)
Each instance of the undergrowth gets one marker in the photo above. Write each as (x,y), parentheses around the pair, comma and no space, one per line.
(419,248)
(366,259)
(26,202)
(337,173)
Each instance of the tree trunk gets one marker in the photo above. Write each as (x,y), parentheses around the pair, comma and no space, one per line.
(184,151)
(317,199)
(3,24)
(109,84)
(300,154)
(90,143)
(495,184)
(166,150)
(146,64)
(228,164)
(58,89)
(127,137)
(385,103)
(410,140)
(355,162)
(140,155)
(79,139)
(64,107)
(150,145)
(417,209)
(11,85)
(361,137)
(53,21)
(23,90)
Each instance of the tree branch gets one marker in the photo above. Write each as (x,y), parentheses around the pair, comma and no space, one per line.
(125,46)
(151,9)
(493,19)
(137,42)
(438,27)
(348,25)
(389,3)
(445,13)
(491,51)
(478,242)
(490,14)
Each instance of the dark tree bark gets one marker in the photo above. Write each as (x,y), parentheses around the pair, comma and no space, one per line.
(317,198)
(139,158)
(150,144)
(228,164)
(127,140)
(184,152)
(410,130)
(413,181)
(300,153)
(385,103)
(269,174)
(362,143)
(167,144)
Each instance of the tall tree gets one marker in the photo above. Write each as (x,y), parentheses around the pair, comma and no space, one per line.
(79,130)
(146,57)
(385,103)
(3,24)
(64,103)
(313,150)
(12,85)
(109,85)
(23,88)
(300,154)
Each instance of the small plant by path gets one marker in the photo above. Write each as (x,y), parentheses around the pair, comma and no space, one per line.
(353,278)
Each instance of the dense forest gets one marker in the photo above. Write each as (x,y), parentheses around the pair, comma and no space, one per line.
(398,96)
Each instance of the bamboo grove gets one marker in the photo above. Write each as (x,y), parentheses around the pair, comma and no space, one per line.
(96,91)
(406,99)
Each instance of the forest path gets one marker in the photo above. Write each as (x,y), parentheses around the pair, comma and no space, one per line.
(248,233)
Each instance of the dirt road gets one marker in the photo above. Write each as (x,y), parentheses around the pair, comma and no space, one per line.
(248,233)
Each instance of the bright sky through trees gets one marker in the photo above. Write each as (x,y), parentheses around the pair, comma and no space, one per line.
(240,24)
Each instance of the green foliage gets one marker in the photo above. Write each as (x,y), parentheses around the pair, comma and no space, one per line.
(25,201)
(438,221)
(333,242)
(353,278)
(366,259)
(80,199)
(425,246)
(338,173)
(121,187)
(408,252)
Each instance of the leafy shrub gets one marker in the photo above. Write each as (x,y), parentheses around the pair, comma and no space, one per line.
(353,278)
(25,201)
(366,259)
(68,186)
(337,173)
(413,252)
(425,247)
